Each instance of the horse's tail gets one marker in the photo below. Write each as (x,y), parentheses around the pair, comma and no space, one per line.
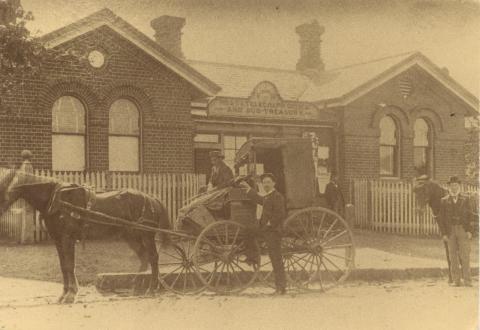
(163,223)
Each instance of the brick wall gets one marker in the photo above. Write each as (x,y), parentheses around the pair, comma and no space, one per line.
(162,97)
(429,100)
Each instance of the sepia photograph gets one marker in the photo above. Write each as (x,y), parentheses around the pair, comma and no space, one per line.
(239,164)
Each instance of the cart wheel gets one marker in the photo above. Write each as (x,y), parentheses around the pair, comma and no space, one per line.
(218,258)
(322,251)
(176,269)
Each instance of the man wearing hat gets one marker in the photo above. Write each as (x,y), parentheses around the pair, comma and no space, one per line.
(271,221)
(221,174)
(454,222)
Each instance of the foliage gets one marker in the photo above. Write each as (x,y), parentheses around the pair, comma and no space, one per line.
(21,53)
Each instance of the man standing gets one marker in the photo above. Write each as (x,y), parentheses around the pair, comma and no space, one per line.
(334,195)
(271,221)
(455,226)
(221,174)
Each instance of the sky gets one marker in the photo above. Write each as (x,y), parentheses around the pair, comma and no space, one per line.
(262,33)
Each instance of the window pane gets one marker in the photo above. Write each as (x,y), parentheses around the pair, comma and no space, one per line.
(421,133)
(206,138)
(229,142)
(123,154)
(240,141)
(68,152)
(387,160)
(420,160)
(388,131)
(124,118)
(68,115)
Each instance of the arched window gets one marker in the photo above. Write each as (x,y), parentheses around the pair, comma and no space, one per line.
(422,147)
(388,147)
(124,137)
(68,134)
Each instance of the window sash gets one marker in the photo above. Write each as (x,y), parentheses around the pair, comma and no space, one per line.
(124,153)
(68,116)
(388,160)
(68,152)
(421,159)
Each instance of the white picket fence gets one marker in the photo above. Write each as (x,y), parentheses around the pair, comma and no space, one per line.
(174,190)
(389,206)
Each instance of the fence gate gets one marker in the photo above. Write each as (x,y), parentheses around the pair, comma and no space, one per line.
(389,206)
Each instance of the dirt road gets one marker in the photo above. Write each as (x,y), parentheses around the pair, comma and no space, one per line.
(398,305)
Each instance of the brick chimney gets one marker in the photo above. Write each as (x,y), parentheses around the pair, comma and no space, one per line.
(8,10)
(310,39)
(168,33)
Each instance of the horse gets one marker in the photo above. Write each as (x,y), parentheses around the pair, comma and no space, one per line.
(65,227)
(428,192)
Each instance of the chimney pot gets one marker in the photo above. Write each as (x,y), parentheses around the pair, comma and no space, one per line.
(310,39)
(168,33)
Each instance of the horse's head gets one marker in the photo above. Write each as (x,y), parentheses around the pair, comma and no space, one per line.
(7,180)
(421,189)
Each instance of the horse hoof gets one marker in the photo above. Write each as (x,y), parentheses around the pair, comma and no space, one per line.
(61,299)
(69,298)
(151,292)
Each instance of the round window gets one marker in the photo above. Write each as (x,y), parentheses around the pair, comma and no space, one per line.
(96,59)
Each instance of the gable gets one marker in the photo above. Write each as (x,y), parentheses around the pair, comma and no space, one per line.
(107,18)
(421,62)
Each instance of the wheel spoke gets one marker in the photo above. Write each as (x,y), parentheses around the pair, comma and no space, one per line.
(321,223)
(226,234)
(173,256)
(218,236)
(236,235)
(333,264)
(339,246)
(173,271)
(329,228)
(176,279)
(328,271)
(335,237)
(221,273)
(335,255)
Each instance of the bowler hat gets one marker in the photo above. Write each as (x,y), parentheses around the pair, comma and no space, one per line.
(453,179)
(422,177)
(268,175)
(216,153)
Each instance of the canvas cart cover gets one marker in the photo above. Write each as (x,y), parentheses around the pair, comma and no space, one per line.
(200,208)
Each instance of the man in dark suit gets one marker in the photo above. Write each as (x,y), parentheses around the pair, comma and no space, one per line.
(334,195)
(271,221)
(221,174)
(455,226)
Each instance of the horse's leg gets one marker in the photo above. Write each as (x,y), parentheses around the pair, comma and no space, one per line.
(61,258)
(136,245)
(68,244)
(149,241)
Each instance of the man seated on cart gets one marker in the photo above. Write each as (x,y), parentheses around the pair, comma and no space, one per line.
(221,175)
(271,221)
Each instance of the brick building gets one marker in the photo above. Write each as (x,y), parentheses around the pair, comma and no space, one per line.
(124,107)
(393,117)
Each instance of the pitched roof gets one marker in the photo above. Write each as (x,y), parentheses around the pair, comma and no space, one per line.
(106,17)
(337,86)
(240,80)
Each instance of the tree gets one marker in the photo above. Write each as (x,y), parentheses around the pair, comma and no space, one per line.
(21,54)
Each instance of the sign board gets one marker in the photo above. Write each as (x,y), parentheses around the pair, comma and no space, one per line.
(264,102)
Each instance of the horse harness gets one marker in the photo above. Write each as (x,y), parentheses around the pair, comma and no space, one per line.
(56,204)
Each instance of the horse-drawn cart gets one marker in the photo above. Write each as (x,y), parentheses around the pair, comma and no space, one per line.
(317,245)
(208,249)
